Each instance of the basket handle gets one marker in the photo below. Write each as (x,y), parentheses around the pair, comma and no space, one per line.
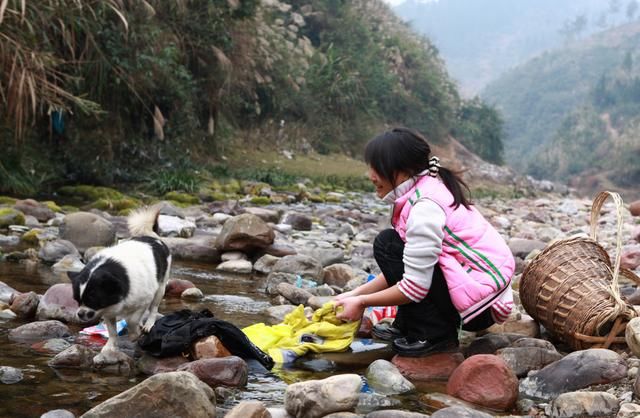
(598,201)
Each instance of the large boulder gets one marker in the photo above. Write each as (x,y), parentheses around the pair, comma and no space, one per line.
(172,394)
(58,303)
(86,230)
(245,233)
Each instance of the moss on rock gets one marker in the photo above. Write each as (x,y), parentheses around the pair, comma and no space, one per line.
(6,200)
(91,193)
(117,205)
(53,206)
(32,237)
(183,198)
(10,216)
(260,200)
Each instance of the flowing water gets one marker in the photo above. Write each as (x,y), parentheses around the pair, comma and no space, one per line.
(238,299)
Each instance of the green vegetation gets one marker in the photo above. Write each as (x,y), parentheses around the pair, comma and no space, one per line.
(147,95)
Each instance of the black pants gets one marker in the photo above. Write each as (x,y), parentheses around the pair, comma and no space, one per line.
(434,318)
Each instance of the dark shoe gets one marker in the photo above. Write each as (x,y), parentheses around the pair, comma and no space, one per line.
(409,348)
(386,332)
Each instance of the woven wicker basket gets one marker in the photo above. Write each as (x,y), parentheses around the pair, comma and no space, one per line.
(571,290)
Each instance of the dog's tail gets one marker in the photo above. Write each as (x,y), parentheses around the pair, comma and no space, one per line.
(144,221)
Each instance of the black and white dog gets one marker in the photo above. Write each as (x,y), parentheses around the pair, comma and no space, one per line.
(125,281)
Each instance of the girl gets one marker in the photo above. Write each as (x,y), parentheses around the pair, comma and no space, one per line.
(442,263)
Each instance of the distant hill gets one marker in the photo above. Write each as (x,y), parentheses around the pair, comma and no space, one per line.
(481,39)
(573,114)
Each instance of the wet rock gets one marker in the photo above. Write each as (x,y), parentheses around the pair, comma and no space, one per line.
(38,210)
(634,208)
(386,379)
(150,365)
(52,346)
(233,255)
(25,304)
(58,413)
(245,233)
(8,241)
(173,226)
(236,266)
(459,412)
(524,359)
(436,367)
(265,263)
(226,371)
(58,303)
(198,248)
(298,221)
(577,370)
(302,265)
(70,262)
(209,347)
(338,274)
(293,294)
(74,357)
(490,343)
(10,375)
(276,314)
(54,251)
(249,409)
(39,330)
(192,293)
(171,394)
(175,287)
(6,293)
(485,380)
(317,398)
(579,404)
(85,230)
(10,216)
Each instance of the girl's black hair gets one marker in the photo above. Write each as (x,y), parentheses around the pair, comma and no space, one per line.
(406,150)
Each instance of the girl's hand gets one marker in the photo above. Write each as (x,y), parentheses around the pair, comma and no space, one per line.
(352,308)
(344,295)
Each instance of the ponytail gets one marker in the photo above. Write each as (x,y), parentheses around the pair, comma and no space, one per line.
(456,186)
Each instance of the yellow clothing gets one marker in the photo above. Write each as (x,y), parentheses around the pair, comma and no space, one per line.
(296,335)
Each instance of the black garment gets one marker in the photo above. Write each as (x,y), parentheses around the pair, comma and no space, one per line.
(434,318)
(173,334)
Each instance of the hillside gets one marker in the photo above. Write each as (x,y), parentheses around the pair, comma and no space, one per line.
(572,114)
(481,39)
(116,92)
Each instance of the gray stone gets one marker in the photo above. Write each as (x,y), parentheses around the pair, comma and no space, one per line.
(236,266)
(58,303)
(192,293)
(298,221)
(276,314)
(38,210)
(267,215)
(10,375)
(172,394)
(58,413)
(70,262)
(265,263)
(74,357)
(85,230)
(628,410)
(524,359)
(326,256)
(522,247)
(25,304)
(199,248)
(386,379)
(338,274)
(39,330)
(245,233)
(577,370)
(173,226)
(293,294)
(578,404)
(317,398)
(54,251)
(302,265)
(229,371)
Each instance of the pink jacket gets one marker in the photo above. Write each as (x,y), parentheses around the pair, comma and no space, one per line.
(476,262)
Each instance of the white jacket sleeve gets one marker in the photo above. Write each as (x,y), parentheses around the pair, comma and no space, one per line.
(424,235)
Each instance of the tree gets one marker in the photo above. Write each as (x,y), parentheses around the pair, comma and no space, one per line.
(573,28)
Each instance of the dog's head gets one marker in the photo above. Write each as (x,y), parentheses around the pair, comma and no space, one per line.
(97,289)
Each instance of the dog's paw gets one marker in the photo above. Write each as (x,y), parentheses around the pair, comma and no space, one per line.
(105,358)
(148,324)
